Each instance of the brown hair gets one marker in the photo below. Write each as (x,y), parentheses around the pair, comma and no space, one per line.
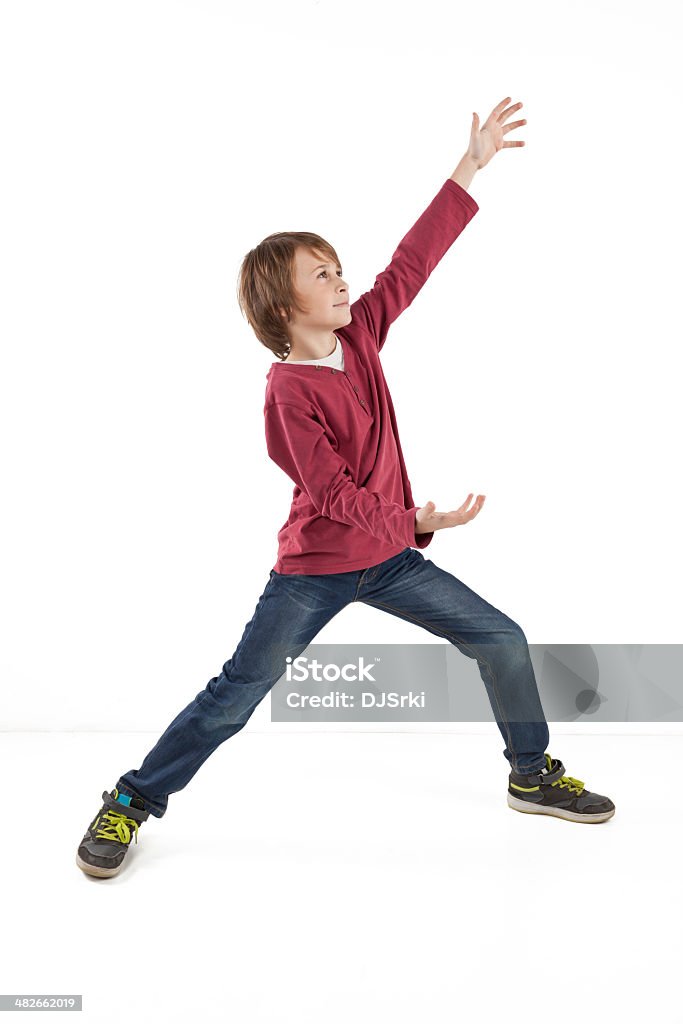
(266,284)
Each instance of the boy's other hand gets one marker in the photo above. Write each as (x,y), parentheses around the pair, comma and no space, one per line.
(485,142)
(428,519)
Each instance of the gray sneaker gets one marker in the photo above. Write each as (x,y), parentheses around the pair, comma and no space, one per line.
(105,844)
(550,791)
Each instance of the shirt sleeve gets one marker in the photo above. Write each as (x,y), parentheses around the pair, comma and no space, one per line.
(415,258)
(297,443)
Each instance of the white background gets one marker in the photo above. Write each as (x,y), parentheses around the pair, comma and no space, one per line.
(146,148)
(149,146)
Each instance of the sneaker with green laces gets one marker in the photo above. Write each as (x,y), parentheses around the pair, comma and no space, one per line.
(550,791)
(105,844)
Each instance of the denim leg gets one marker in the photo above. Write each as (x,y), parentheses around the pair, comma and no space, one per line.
(415,589)
(289,614)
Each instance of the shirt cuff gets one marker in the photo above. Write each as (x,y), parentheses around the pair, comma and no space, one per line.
(462,195)
(416,540)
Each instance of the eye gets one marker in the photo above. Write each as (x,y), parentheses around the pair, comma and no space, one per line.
(324,272)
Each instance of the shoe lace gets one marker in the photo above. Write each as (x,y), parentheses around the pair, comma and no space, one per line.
(565,781)
(117,827)
(570,783)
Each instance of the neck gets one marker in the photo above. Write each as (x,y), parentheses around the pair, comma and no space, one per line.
(311,350)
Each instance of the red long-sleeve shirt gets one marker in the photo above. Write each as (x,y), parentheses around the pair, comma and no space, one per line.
(334,432)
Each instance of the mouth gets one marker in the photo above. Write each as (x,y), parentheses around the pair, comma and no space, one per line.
(340,304)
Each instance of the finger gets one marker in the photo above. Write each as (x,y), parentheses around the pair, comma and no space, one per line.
(506,113)
(500,106)
(513,124)
(476,508)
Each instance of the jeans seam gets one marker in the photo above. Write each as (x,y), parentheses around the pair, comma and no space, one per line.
(374,569)
(360,581)
(447,634)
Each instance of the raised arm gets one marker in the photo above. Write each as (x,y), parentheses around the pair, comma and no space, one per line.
(297,443)
(435,231)
(413,261)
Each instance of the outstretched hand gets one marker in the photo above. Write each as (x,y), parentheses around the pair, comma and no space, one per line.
(485,142)
(428,519)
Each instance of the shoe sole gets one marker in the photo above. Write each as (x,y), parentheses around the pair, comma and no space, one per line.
(95,870)
(557,812)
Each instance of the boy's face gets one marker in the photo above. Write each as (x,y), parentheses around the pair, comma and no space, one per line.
(322,290)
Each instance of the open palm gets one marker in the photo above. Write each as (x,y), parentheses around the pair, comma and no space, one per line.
(427,519)
(485,142)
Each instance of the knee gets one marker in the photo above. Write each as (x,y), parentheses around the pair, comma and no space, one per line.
(517,631)
(513,634)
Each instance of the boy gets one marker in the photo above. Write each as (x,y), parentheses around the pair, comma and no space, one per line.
(353,532)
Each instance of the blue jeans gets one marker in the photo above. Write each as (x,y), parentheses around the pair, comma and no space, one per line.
(294,608)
